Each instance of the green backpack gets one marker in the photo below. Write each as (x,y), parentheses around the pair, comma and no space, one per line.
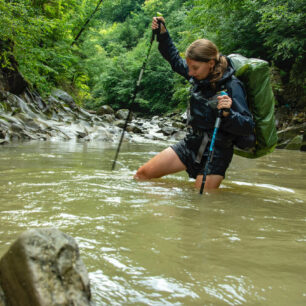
(255,75)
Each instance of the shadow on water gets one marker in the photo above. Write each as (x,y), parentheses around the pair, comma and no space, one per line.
(159,242)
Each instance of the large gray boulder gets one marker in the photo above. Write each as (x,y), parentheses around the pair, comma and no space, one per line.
(43,267)
(64,96)
(105,109)
(122,114)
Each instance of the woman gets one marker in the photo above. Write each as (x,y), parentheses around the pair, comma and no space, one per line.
(209,73)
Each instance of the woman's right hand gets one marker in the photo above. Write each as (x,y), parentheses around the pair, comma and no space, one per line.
(155,24)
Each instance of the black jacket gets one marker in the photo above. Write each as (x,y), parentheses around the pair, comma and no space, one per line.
(201,115)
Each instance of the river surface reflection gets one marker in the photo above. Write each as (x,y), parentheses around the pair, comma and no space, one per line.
(160,242)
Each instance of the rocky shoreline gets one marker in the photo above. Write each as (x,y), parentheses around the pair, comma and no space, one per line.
(27,116)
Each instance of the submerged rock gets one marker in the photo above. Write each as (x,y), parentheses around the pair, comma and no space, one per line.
(43,267)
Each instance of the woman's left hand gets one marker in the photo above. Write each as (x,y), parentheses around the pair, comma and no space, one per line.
(224,102)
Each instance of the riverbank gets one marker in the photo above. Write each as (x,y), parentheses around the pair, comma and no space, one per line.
(26,116)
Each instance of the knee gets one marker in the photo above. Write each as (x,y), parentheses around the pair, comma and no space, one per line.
(142,174)
(212,182)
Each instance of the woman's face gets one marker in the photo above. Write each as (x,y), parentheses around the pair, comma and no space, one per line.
(199,70)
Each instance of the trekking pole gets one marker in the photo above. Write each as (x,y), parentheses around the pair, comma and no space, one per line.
(212,145)
(154,33)
(86,23)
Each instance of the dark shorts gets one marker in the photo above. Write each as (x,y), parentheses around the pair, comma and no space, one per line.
(187,150)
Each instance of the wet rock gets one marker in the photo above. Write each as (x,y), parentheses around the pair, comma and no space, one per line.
(4,125)
(295,143)
(299,118)
(154,137)
(134,129)
(2,134)
(174,114)
(86,115)
(43,267)
(119,123)
(179,135)
(3,94)
(163,122)
(105,109)
(91,111)
(286,136)
(168,130)
(18,105)
(16,127)
(102,134)
(34,101)
(29,123)
(139,123)
(52,101)
(122,114)
(81,135)
(155,119)
(3,138)
(179,125)
(108,118)
(64,96)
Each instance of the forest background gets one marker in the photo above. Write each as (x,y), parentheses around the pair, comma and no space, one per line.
(102,67)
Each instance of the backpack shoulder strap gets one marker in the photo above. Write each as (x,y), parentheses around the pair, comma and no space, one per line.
(229,85)
(240,97)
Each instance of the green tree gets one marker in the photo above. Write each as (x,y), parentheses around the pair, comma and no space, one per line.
(40,32)
(103,66)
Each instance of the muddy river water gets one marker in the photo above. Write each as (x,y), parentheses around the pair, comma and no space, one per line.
(160,242)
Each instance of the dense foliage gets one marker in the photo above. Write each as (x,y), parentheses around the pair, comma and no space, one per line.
(103,66)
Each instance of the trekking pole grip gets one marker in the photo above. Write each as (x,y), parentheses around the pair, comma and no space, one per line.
(157,31)
(227,110)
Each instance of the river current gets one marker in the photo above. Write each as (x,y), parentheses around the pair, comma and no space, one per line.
(160,242)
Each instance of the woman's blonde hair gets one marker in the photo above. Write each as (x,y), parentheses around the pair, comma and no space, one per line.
(204,50)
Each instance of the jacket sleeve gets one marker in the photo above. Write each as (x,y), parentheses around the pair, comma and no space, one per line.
(171,54)
(240,121)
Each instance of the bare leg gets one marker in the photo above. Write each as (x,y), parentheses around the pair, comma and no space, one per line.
(165,162)
(213,181)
